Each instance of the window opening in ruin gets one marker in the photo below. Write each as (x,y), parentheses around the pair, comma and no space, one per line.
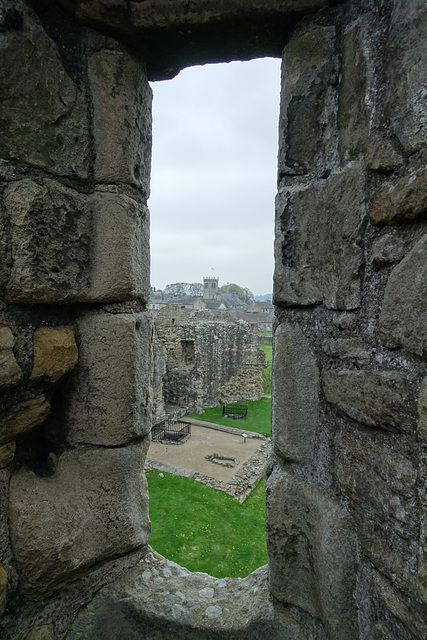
(212,217)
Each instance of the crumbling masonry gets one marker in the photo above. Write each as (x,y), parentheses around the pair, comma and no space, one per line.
(346,496)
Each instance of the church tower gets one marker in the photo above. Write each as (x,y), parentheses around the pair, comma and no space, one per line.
(210,288)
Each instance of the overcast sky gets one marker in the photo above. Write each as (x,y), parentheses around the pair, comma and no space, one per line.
(214,174)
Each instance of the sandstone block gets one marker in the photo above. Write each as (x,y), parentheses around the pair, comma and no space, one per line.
(120,265)
(94,507)
(308,64)
(352,107)
(3,589)
(7,454)
(10,371)
(399,201)
(318,252)
(312,553)
(403,319)
(69,247)
(121,99)
(115,364)
(295,395)
(55,352)
(375,398)
(51,235)
(48,124)
(405,61)
(23,417)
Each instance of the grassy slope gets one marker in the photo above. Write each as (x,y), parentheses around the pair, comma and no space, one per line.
(204,529)
(259,417)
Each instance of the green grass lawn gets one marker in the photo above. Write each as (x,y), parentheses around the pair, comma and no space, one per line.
(204,529)
(259,417)
(265,333)
(268,350)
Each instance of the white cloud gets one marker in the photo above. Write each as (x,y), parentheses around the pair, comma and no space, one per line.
(214,174)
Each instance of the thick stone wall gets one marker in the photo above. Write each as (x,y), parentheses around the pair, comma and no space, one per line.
(346,497)
(208,363)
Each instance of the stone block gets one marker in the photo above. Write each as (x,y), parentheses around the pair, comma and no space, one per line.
(3,589)
(10,371)
(94,507)
(308,64)
(312,553)
(380,483)
(405,61)
(55,352)
(353,92)
(381,155)
(48,124)
(295,395)
(422,412)
(378,399)
(400,201)
(403,318)
(386,250)
(51,236)
(42,632)
(121,99)
(69,247)
(347,349)
(7,454)
(115,357)
(318,252)
(23,417)
(120,265)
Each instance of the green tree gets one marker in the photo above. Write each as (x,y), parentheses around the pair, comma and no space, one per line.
(176,290)
(243,293)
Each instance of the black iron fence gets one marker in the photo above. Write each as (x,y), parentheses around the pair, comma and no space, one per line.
(235,411)
(172,431)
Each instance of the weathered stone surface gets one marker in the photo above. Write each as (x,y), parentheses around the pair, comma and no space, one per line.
(120,264)
(43,632)
(98,244)
(10,371)
(317,247)
(3,589)
(353,93)
(375,398)
(170,37)
(122,119)
(312,553)
(48,124)
(306,79)
(55,352)
(115,364)
(413,617)
(381,155)
(422,411)
(345,320)
(387,250)
(7,453)
(381,485)
(51,234)
(94,507)
(405,61)
(23,417)
(403,319)
(399,201)
(295,393)
(347,349)
(194,606)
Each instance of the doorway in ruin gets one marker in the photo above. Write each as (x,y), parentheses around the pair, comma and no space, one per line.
(213,181)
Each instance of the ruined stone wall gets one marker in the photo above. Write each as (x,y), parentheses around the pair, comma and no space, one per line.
(346,496)
(209,363)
